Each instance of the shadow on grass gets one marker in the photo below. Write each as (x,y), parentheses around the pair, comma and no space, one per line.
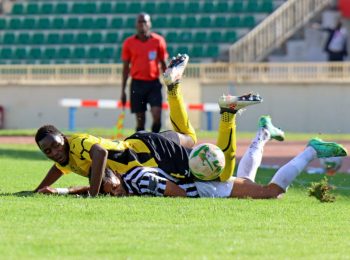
(22,154)
(25,193)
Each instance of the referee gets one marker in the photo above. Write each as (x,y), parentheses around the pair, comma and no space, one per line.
(141,54)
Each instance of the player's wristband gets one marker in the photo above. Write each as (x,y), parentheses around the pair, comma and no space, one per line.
(62,191)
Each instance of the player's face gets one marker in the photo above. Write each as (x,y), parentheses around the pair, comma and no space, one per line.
(55,148)
(143,24)
(113,185)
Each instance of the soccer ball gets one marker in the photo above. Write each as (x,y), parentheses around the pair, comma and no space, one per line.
(206,161)
(331,165)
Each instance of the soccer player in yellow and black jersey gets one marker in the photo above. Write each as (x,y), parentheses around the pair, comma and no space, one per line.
(85,154)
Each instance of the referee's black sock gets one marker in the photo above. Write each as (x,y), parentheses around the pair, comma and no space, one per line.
(156,128)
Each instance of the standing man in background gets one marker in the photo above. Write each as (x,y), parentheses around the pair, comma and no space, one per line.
(141,54)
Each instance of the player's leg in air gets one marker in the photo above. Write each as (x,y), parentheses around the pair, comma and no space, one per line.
(229,106)
(178,114)
(244,186)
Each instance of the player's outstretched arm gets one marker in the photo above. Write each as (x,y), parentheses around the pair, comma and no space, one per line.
(98,155)
(82,190)
(51,177)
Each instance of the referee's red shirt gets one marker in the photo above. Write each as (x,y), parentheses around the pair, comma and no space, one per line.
(144,56)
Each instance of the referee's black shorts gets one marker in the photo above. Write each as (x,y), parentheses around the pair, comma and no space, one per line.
(144,92)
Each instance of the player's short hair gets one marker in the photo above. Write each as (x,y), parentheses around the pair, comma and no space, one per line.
(44,131)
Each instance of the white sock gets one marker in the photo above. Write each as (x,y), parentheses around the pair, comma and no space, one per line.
(287,173)
(251,160)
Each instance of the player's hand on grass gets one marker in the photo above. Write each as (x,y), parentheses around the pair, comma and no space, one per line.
(48,190)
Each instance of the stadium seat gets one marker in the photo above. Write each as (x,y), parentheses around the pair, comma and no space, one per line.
(82,38)
(223,7)
(197,51)
(35,53)
(20,54)
(134,8)
(266,6)
(149,7)
(15,24)
(208,7)
(78,8)
(190,22)
(107,53)
(32,8)
(193,7)
(117,22)
(220,21)
(230,37)
(95,37)
(6,53)
(178,7)
(61,8)
(204,22)
(58,23)
(248,21)
(91,8)
(28,23)
(164,8)
(23,38)
(43,24)
(3,23)
(67,38)
(237,7)
(38,38)
(94,53)
(49,53)
(200,37)
(120,8)
(175,22)
(212,51)
(111,37)
(9,38)
(73,23)
(182,49)
(130,22)
(17,8)
(64,53)
(170,50)
(185,36)
(87,23)
(160,22)
(79,53)
(234,22)
(46,8)
(105,8)
(101,23)
(53,38)
(251,6)
(215,36)
(172,37)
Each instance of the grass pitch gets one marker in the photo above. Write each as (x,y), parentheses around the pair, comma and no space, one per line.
(41,227)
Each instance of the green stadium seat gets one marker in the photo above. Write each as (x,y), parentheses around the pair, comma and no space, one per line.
(23,38)
(117,22)
(50,53)
(223,7)
(17,8)
(134,8)
(111,37)
(46,8)
(78,8)
(237,7)
(28,23)
(94,53)
(61,8)
(53,38)
(171,50)
(120,8)
(182,49)
(248,21)
(205,22)
(230,37)
(117,56)
(150,7)
(9,38)
(164,8)
(35,53)
(215,36)
(208,7)
(101,23)
(234,22)
(220,21)
(95,37)
(32,8)
(160,22)
(107,53)
(105,8)
(212,51)
(64,53)
(43,23)
(172,37)
(175,22)
(197,51)
(82,38)
(15,24)
(130,22)
(38,38)
(185,36)
(20,54)
(67,38)
(91,8)
(266,6)
(6,53)
(200,37)
(58,23)
(178,7)
(87,23)
(190,22)
(79,53)
(251,7)
(73,23)
(193,7)
(3,23)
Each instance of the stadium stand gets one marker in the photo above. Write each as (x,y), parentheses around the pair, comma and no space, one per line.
(75,31)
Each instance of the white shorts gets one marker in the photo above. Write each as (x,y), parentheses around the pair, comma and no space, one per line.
(215,189)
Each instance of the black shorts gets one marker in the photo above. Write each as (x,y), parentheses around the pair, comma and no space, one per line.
(145,92)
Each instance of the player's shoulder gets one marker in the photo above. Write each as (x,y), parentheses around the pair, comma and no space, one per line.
(130,39)
(157,36)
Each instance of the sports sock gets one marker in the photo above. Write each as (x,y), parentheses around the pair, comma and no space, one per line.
(178,114)
(251,160)
(287,173)
(227,143)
